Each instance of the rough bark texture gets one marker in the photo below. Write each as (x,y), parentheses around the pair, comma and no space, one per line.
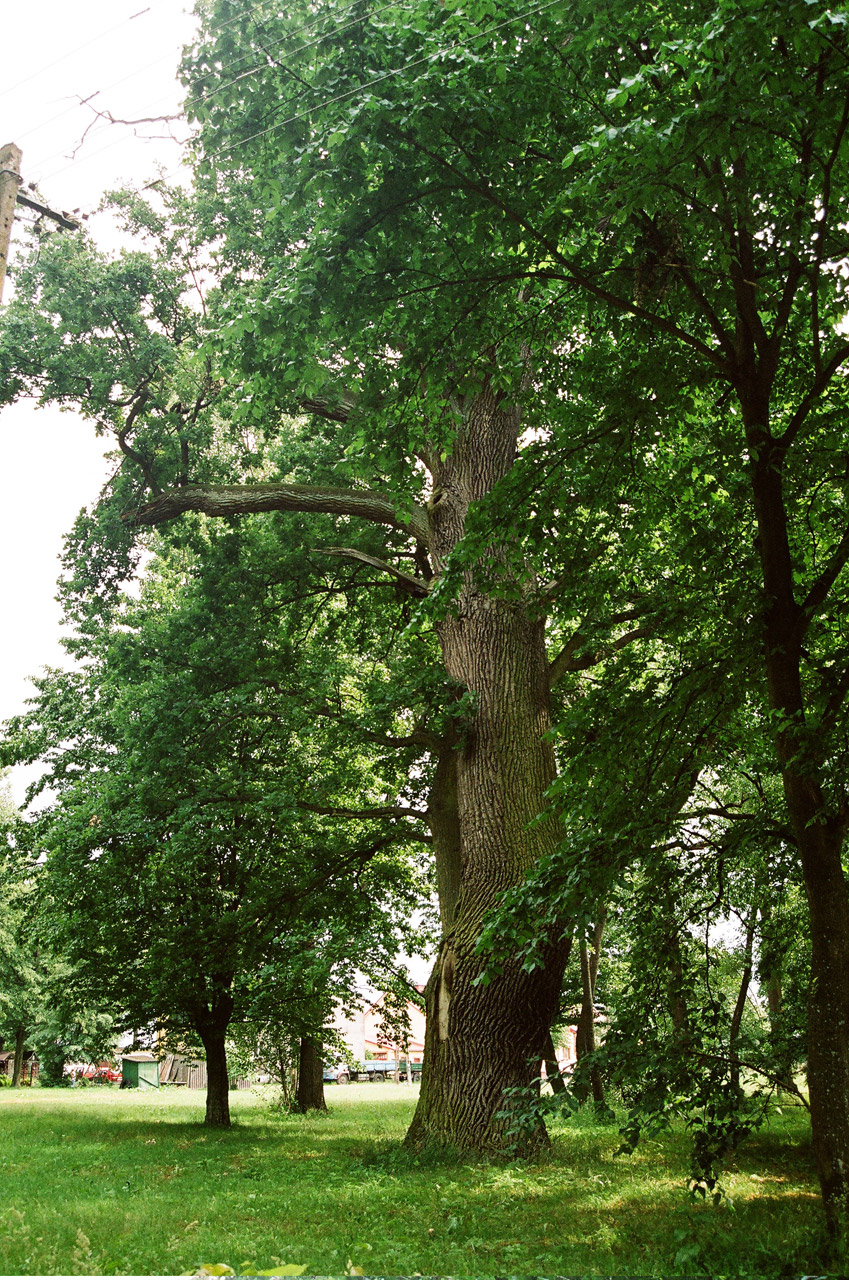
(483,1039)
(444,822)
(310,1094)
(18,1065)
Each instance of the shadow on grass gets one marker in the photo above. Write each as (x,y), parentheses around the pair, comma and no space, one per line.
(329,1189)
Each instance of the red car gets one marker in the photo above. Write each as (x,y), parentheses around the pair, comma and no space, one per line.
(106,1075)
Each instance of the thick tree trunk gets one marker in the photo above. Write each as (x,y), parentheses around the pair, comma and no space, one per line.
(483,1039)
(18,1065)
(819,833)
(480,1039)
(828,1009)
(211,1024)
(310,1094)
(217,1082)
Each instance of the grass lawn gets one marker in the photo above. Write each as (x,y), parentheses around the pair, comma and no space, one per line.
(99,1181)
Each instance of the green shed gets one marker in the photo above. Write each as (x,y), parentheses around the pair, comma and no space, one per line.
(139,1071)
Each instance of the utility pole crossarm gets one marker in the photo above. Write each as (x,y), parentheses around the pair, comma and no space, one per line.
(61,218)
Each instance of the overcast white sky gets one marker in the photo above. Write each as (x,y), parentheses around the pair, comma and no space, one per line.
(51,464)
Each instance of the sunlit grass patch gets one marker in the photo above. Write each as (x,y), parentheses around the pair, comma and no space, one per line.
(104,1182)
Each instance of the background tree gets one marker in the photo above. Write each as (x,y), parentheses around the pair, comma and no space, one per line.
(195,842)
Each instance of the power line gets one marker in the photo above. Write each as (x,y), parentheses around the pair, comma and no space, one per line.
(201,98)
(337,30)
(351,93)
(116,84)
(387,75)
(73,52)
(362,89)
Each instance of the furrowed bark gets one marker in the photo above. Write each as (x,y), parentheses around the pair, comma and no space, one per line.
(443,818)
(483,1039)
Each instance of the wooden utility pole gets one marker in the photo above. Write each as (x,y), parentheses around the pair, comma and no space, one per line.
(10,180)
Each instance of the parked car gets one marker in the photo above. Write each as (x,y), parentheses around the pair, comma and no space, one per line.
(374,1069)
(106,1075)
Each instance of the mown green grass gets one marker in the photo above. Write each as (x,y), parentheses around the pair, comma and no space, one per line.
(98,1181)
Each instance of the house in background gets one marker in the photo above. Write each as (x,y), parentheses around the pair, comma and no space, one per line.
(364,1036)
(382,1046)
(363,1033)
(29,1071)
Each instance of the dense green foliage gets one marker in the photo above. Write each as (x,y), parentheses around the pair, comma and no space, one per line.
(617,239)
(195,839)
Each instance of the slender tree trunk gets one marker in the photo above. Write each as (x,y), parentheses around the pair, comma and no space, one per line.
(585,1042)
(310,1095)
(590,961)
(819,833)
(778,1028)
(677,978)
(482,1039)
(739,1007)
(18,1066)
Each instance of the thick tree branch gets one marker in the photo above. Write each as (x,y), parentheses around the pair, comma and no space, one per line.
(410,583)
(248,499)
(338,410)
(138,404)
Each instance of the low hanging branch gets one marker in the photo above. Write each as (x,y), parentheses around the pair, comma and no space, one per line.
(249,499)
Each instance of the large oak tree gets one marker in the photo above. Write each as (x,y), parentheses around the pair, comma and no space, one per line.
(502,255)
